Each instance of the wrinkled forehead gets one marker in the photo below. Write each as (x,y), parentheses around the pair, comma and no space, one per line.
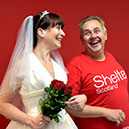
(92,24)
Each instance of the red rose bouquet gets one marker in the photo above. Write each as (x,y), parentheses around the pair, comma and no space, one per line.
(57,94)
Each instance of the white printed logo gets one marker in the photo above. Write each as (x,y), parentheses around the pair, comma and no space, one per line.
(127,127)
(111,82)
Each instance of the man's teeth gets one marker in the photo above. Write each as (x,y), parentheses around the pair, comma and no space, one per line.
(95,42)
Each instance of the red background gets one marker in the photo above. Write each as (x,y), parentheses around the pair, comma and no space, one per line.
(114,12)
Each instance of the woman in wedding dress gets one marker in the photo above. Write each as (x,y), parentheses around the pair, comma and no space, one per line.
(34,64)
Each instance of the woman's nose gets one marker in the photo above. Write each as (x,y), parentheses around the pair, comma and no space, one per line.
(62,33)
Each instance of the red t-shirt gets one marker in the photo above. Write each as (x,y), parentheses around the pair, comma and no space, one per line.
(105,85)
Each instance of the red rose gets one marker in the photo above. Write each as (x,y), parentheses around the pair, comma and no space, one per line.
(67,90)
(53,83)
(59,85)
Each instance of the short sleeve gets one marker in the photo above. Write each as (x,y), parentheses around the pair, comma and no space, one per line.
(74,78)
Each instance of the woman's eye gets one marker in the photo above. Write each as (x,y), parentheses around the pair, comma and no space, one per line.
(58,27)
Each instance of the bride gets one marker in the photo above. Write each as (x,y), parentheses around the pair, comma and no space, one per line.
(34,64)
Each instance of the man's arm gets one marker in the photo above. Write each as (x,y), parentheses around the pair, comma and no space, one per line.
(114,115)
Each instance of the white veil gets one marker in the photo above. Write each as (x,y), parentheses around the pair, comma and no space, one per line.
(19,64)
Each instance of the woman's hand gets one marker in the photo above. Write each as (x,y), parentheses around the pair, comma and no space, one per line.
(77,102)
(40,122)
(115,115)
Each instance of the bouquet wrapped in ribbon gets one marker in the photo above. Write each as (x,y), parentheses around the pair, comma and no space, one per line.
(57,94)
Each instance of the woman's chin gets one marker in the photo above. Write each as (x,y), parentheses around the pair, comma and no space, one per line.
(58,45)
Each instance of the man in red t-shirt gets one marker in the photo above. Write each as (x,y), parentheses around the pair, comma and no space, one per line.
(99,76)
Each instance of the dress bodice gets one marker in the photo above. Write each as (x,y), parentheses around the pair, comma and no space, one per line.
(35,81)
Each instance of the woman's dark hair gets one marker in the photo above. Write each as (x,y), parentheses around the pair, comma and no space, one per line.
(49,20)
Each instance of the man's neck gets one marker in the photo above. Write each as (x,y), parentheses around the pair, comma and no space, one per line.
(97,57)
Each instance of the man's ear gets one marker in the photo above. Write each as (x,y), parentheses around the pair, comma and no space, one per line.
(105,35)
(81,37)
(41,32)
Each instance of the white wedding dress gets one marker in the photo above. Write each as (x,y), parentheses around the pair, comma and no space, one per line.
(32,90)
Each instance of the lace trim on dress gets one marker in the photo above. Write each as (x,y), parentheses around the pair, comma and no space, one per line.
(32,94)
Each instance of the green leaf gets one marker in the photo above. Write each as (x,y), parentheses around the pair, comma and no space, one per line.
(53,115)
(51,92)
(47,89)
(57,92)
(56,95)
(52,103)
(46,100)
(56,100)
(47,105)
(42,109)
(62,95)
(56,119)
(61,102)
(52,108)
(59,115)
(63,105)
(41,102)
